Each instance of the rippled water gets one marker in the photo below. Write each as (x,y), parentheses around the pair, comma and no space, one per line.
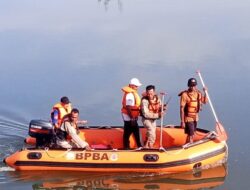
(89,49)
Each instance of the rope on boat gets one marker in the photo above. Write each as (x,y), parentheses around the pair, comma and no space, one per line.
(167,152)
(210,135)
(60,155)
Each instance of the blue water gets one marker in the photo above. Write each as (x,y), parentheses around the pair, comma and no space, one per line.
(88,50)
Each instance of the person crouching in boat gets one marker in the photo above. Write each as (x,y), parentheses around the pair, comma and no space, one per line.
(59,111)
(191,101)
(131,102)
(151,111)
(69,128)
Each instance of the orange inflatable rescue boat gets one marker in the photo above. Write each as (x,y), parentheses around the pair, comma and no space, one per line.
(108,155)
(169,155)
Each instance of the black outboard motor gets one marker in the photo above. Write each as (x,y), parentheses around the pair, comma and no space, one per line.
(43,132)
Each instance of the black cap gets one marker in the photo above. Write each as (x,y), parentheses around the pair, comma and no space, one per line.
(65,100)
(192,82)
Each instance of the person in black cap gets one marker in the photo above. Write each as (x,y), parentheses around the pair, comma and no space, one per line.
(59,111)
(191,101)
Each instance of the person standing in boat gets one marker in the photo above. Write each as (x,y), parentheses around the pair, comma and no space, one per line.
(151,111)
(69,129)
(191,101)
(131,102)
(59,111)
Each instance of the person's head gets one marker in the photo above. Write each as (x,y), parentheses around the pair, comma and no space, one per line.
(74,114)
(65,101)
(192,83)
(134,83)
(150,90)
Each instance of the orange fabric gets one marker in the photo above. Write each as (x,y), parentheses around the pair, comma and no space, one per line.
(192,101)
(172,137)
(135,111)
(154,105)
(62,111)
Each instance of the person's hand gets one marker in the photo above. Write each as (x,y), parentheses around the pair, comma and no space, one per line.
(165,107)
(182,124)
(161,113)
(205,89)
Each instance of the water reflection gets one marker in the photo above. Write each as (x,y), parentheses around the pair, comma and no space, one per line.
(208,178)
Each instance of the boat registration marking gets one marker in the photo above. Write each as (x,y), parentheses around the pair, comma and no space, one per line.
(91,156)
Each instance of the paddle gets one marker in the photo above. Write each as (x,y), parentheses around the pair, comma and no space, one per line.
(222,135)
(162,114)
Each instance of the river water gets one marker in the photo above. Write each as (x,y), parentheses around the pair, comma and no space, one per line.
(87,50)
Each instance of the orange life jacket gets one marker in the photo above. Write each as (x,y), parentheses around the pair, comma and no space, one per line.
(62,112)
(135,110)
(193,106)
(154,104)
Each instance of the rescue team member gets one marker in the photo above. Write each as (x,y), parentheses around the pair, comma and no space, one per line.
(60,110)
(69,127)
(131,102)
(151,111)
(191,101)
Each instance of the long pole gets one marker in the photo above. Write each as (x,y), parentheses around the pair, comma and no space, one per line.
(209,100)
(222,135)
(162,115)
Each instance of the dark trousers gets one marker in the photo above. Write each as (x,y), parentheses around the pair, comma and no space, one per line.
(190,127)
(129,128)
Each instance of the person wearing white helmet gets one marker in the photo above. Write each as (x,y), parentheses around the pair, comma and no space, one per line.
(131,102)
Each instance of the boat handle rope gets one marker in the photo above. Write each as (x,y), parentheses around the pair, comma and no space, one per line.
(208,135)
(211,135)
(61,155)
(167,152)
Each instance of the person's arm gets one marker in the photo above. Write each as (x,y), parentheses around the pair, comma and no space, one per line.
(204,99)
(80,143)
(75,138)
(146,113)
(182,113)
(54,118)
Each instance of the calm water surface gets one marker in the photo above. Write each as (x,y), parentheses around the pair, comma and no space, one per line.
(89,49)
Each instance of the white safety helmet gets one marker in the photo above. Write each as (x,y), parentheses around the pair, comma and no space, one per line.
(135,81)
